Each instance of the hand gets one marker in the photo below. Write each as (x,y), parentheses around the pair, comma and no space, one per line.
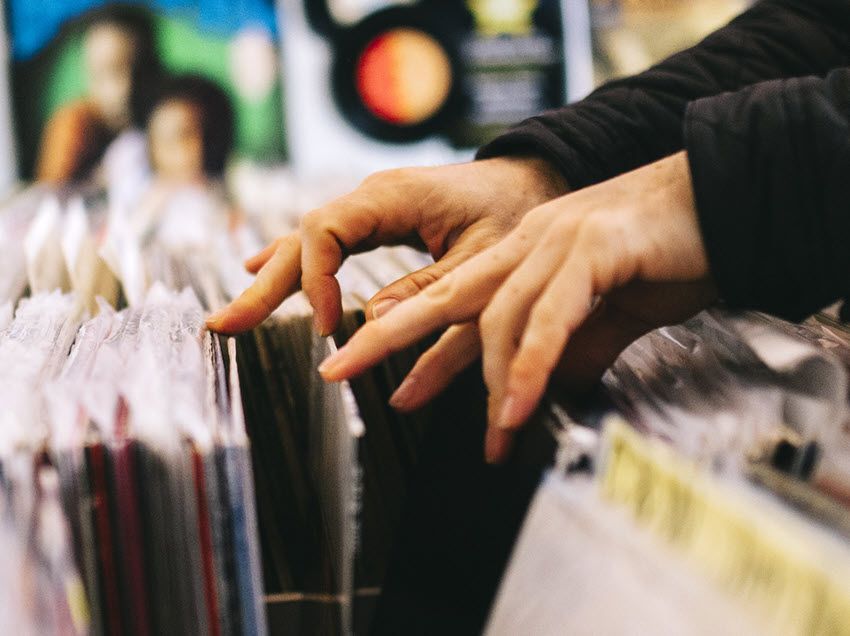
(453,211)
(586,265)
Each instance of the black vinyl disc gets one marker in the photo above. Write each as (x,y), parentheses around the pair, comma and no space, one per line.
(396,74)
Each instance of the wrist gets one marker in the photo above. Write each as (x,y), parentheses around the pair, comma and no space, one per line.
(538,179)
(669,205)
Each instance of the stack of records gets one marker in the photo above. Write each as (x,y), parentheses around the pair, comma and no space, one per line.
(718,505)
(16,217)
(147,429)
(41,584)
(141,421)
(125,458)
(330,490)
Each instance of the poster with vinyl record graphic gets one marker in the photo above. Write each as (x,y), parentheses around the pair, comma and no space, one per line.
(462,70)
(417,82)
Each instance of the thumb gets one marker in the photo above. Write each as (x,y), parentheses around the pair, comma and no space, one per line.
(413,283)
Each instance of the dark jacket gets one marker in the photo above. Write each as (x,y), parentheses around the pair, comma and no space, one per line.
(763,108)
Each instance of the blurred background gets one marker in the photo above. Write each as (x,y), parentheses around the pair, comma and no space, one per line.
(271,103)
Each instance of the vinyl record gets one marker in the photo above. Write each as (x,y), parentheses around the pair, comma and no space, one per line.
(396,75)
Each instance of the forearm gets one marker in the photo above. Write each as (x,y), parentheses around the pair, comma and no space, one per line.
(630,122)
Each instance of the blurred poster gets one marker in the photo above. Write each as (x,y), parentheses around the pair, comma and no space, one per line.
(375,83)
(84,72)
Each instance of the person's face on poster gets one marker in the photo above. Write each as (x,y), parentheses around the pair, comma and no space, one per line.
(109,58)
(176,142)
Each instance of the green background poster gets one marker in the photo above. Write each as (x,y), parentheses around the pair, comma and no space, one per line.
(55,76)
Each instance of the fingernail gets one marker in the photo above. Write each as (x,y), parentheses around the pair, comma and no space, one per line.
(383,306)
(403,394)
(509,415)
(319,328)
(331,363)
(214,317)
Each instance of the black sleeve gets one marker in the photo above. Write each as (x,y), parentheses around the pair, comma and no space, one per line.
(771,173)
(633,121)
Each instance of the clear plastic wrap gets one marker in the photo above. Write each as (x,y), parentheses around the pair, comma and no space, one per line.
(726,389)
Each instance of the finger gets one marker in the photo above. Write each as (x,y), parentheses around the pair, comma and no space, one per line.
(559,311)
(594,347)
(504,319)
(458,297)
(275,281)
(498,444)
(602,258)
(456,349)
(321,258)
(349,225)
(413,283)
(259,259)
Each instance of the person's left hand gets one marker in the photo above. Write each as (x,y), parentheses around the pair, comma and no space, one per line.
(595,269)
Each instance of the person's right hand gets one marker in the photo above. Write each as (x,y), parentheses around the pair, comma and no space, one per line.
(453,211)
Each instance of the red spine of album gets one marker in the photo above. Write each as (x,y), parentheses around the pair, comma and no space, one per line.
(205,536)
(130,524)
(105,542)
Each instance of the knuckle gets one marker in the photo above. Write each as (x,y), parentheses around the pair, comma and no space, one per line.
(544,316)
(312,221)
(533,362)
(547,329)
(595,232)
(310,285)
(511,291)
(376,178)
(528,228)
(442,296)
(563,227)
(383,178)
(405,288)
(403,174)
(504,307)
(423,278)
(535,351)
(286,243)
(534,216)
(529,220)
(489,322)
(549,233)
(266,305)
(526,370)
